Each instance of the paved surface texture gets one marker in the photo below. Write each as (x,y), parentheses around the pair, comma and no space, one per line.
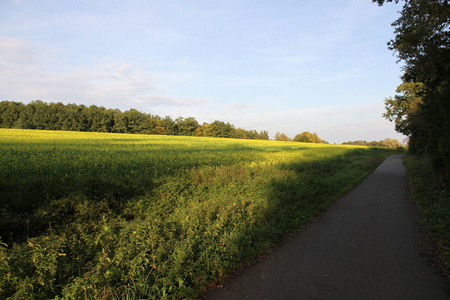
(366,246)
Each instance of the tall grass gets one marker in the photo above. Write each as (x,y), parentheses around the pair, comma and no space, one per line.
(432,197)
(106,216)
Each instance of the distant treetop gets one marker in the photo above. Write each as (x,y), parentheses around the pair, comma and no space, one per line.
(73,117)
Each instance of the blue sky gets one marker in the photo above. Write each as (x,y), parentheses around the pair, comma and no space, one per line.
(282,66)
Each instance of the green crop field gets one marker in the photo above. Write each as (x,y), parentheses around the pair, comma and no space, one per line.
(114,216)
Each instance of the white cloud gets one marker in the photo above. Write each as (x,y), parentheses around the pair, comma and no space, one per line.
(113,85)
(17,50)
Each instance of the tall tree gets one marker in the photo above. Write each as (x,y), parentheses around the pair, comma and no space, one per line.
(422,42)
(169,126)
(281,137)
(263,135)
(221,129)
(120,122)
(9,113)
(401,108)
(186,126)
(307,137)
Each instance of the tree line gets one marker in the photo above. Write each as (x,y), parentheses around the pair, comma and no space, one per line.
(73,117)
(304,137)
(386,143)
(421,107)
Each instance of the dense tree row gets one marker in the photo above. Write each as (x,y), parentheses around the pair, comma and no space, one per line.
(73,117)
(386,143)
(304,137)
(421,109)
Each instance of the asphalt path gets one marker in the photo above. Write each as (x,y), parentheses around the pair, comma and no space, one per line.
(365,246)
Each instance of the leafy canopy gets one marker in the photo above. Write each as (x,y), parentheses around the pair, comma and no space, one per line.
(404,104)
(422,43)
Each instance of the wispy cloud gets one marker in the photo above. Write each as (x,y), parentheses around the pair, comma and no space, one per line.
(17,50)
(113,84)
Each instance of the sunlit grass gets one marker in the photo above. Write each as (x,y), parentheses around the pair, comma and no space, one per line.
(116,215)
(28,154)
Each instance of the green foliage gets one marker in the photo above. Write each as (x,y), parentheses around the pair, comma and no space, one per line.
(432,196)
(113,216)
(422,42)
(281,137)
(186,126)
(401,109)
(307,137)
(221,129)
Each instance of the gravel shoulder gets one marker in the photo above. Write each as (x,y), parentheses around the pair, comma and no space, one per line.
(366,246)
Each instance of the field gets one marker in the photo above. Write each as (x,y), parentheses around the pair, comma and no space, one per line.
(106,216)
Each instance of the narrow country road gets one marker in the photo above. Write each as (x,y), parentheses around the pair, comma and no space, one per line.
(366,246)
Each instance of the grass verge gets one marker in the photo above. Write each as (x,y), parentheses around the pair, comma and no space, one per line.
(432,197)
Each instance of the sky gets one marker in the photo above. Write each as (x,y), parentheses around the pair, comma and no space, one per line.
(283,66)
